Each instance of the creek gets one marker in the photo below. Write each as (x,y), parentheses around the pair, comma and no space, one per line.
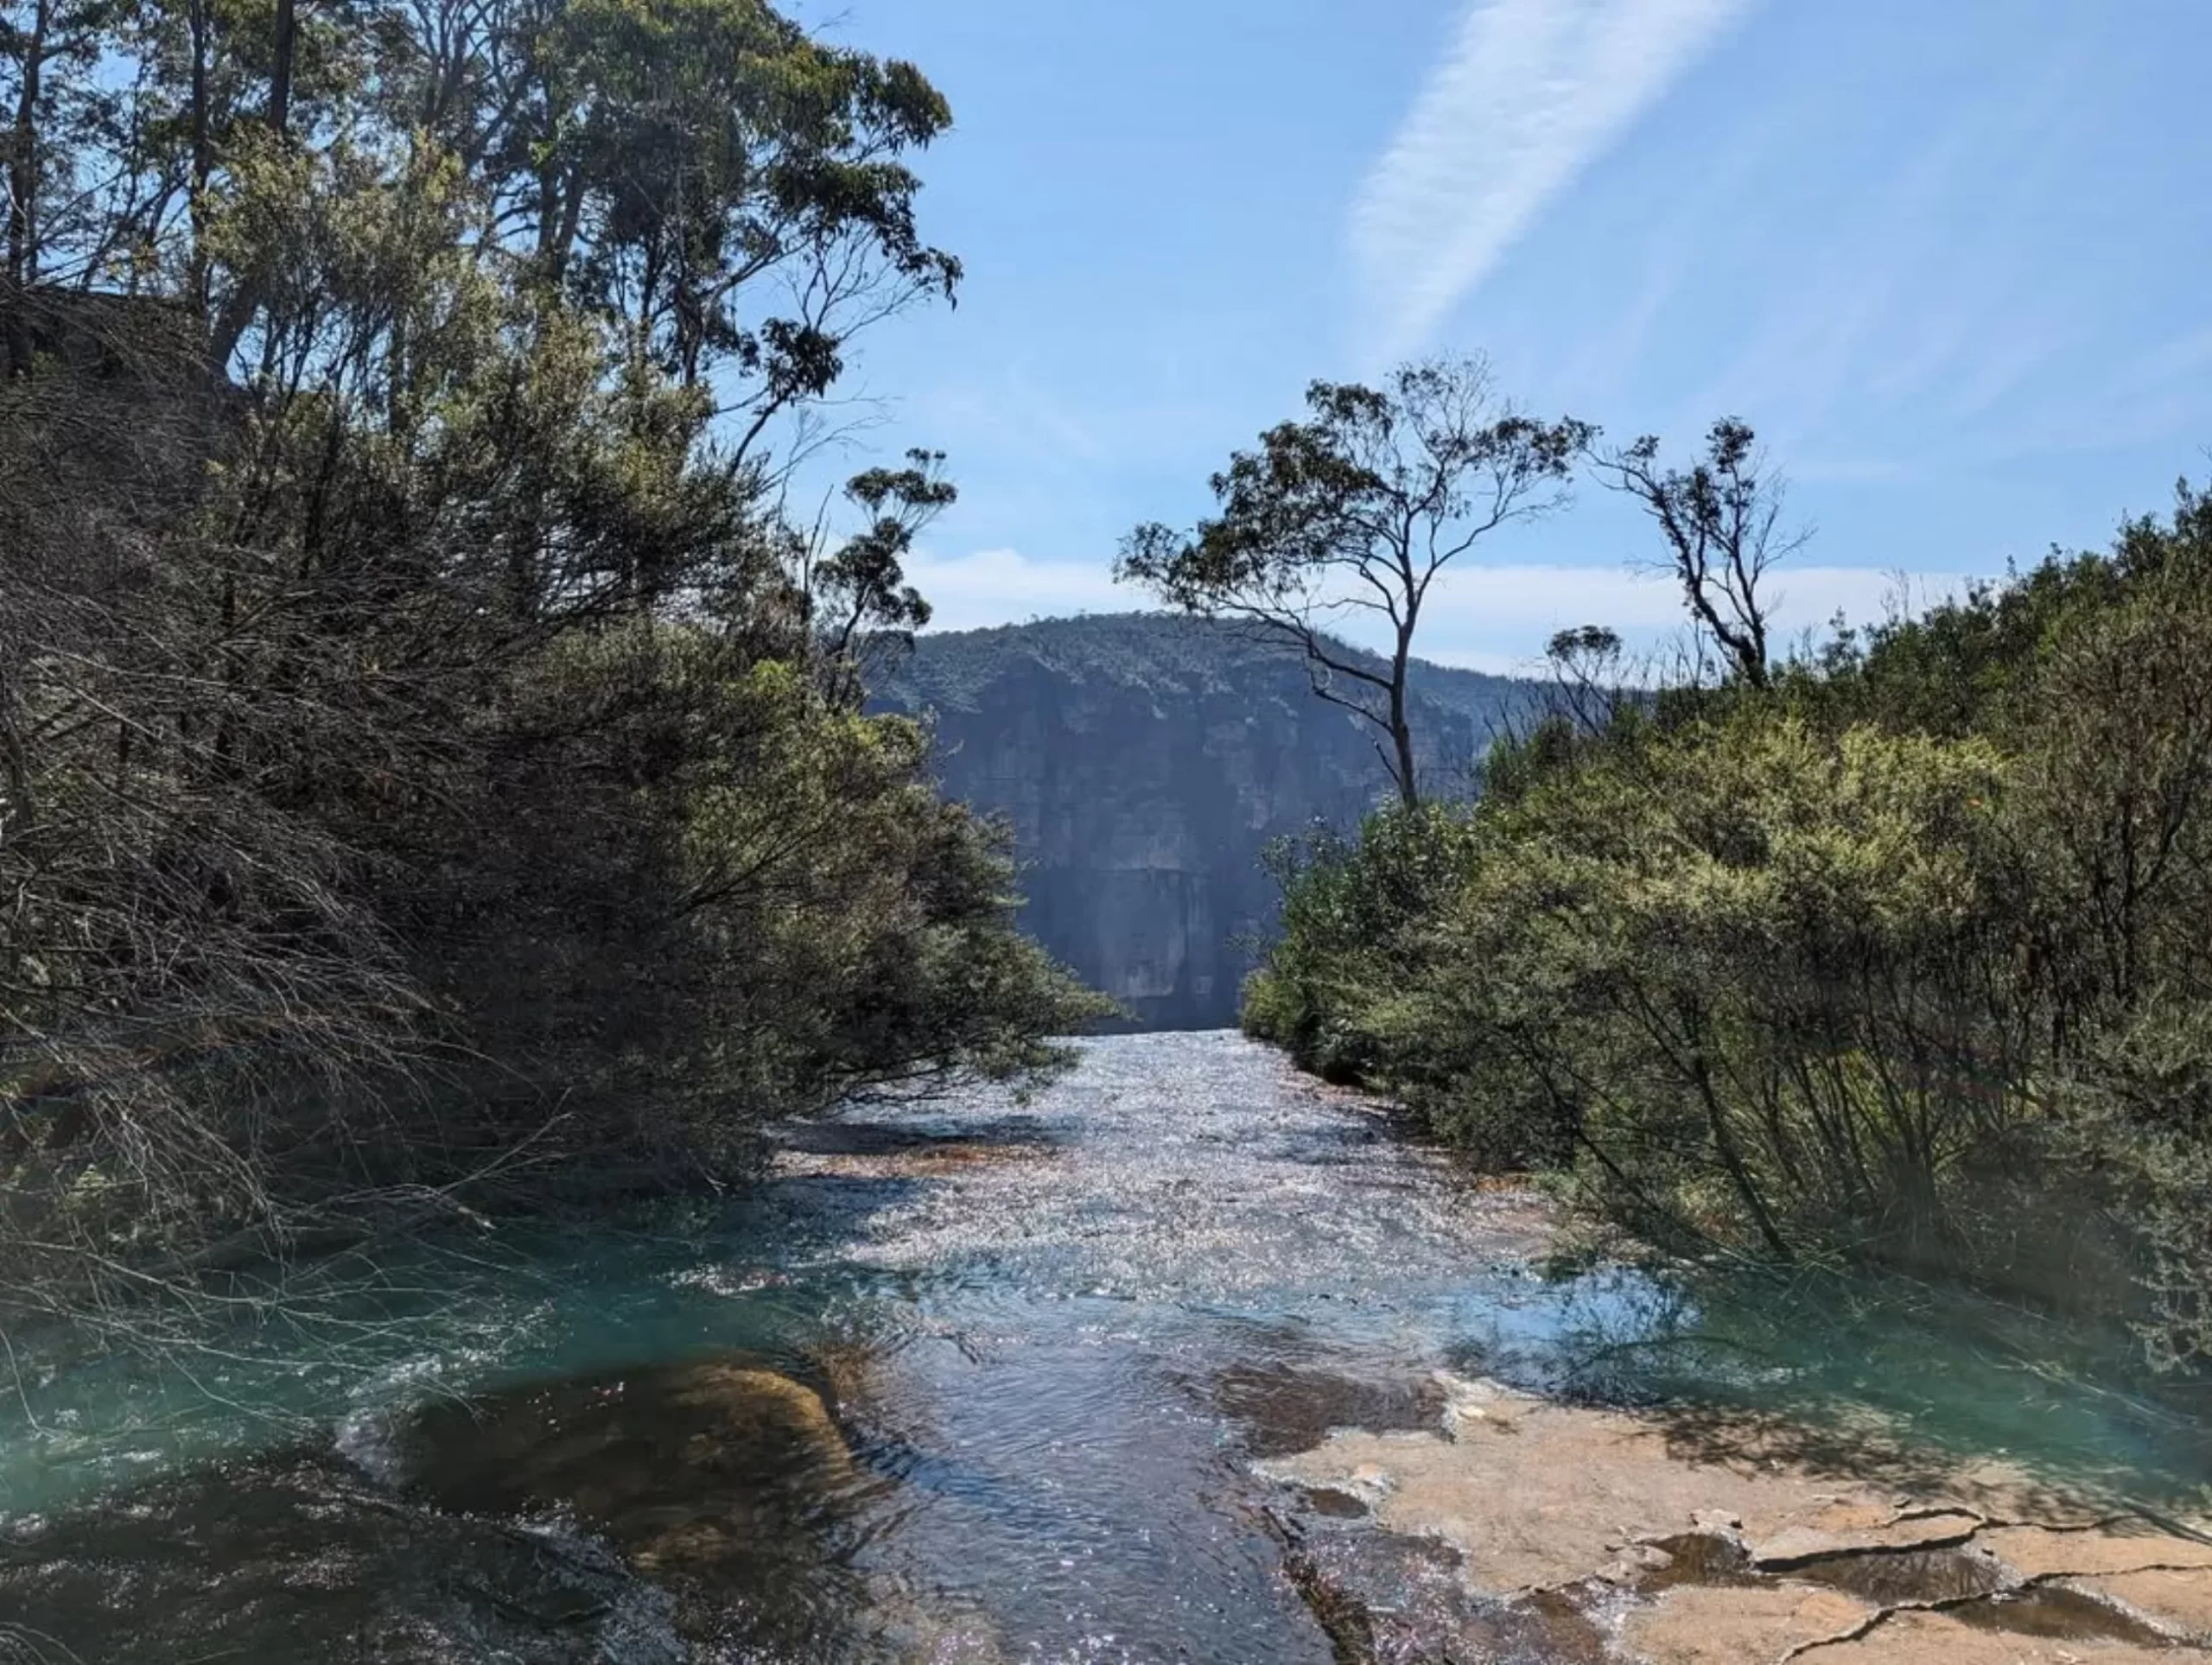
(1054,1339)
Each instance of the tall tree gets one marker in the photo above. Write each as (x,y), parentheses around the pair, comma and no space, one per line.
(1721,520)
(857,598)
(405,670)
(1357,509)
(55,103)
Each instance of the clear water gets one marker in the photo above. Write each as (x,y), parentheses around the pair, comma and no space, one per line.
(1058,1331)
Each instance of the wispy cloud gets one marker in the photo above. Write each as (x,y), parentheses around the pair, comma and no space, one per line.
(1531,94)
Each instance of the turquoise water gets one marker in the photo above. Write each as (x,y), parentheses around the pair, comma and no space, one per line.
(1057,1332)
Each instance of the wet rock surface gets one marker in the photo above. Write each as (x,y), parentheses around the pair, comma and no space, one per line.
(1734,1551)
(1393,1600)
(1283,1408)
(720,1479)
(673,1512)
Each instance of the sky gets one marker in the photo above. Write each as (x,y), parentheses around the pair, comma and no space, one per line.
(1949,259)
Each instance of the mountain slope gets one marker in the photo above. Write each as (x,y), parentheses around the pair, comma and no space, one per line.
(1144,760)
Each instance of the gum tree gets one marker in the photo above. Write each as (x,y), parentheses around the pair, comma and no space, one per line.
(1358,508)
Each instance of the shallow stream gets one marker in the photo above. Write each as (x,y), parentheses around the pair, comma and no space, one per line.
(1054,1337)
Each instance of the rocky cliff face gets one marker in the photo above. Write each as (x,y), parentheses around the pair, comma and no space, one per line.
(1144,761)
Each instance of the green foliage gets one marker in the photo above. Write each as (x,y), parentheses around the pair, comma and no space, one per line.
(1905,960)
(704,890)
(1360,506)
(432,772)
(1349,912)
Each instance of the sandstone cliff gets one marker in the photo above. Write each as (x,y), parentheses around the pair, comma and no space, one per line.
(1144,760)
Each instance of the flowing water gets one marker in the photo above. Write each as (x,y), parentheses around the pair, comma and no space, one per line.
(1055,1336)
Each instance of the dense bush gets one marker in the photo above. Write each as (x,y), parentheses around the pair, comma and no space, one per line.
(432,772)
(1905,959)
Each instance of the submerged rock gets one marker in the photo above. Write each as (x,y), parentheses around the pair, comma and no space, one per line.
(699,1467)
(723,1478)
(297,1556)
(1283,1407)
(672,1513)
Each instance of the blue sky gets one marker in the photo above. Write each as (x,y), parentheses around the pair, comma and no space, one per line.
(1950,258)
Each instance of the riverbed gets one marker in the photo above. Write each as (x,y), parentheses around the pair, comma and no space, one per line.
(970,1378)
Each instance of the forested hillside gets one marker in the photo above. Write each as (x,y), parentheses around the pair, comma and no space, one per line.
(432,774)
(1144,763)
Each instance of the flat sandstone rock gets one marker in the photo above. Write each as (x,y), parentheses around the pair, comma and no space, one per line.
(1703,1625)
(1745,1543)
(2035,1551)
(1536,1495)
(2177,1602)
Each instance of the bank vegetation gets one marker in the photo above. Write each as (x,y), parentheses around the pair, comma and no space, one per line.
(1894,952)
(434,775)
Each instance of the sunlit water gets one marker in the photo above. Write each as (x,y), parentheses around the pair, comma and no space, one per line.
(1057,1334)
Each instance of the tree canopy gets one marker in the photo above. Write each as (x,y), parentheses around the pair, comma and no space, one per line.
(432,771)
(1359,508)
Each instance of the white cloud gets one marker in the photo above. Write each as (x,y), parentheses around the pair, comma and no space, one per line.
(1491,617)
(1531,92)
(1003,586)
(1527,603)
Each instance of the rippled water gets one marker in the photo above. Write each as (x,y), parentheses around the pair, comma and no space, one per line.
(1055,1335)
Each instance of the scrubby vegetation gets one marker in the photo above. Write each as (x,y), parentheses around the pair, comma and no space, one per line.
(1896,954)
(433,772)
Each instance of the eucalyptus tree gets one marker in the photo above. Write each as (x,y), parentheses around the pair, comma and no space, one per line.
(1721,522)
(858,601)
(1356,510)
(406,669)
(733,195)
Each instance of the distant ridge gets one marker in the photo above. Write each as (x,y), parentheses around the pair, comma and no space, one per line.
(1145,760)
(1171,650)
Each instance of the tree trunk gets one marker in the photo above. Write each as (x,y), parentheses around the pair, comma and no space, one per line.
(203,160)
(280,74)
(23,197)
(1402,727)
(245,296)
